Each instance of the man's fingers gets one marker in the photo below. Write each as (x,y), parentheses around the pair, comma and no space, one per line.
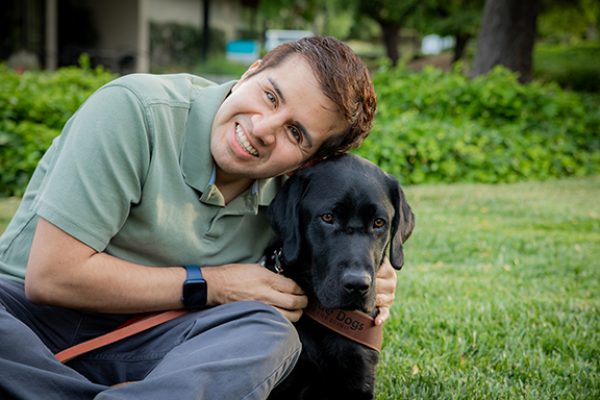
(384,314)
(291,315)
(286,285)
(288,301)
(284,293)
(386,290)
(384,299)
(386,271)
(384,302)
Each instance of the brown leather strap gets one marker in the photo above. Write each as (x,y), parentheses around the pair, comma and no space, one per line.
(130,328)
(354,325)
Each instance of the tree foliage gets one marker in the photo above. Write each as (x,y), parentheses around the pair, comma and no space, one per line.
(457,18)
(390,15)
(288,13)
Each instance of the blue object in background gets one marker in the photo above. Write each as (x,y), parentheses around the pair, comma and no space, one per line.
(245,51)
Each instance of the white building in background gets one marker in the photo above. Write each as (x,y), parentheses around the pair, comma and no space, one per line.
(122,27)
(435,44)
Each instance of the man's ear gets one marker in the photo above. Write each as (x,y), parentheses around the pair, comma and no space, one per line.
(284,216)
(246,74)
(403,223)
(251,69)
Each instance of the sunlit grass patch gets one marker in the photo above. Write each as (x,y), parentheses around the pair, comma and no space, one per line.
(499,295)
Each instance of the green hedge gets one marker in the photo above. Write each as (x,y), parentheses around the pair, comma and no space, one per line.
(576,67)
(435,126)
(34,106)
(431,126)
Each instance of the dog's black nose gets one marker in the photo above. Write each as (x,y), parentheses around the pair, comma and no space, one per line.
(356,283)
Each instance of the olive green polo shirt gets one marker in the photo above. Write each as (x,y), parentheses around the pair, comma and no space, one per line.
(132,175)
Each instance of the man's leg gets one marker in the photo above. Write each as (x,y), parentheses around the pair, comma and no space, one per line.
(234,351)
(29,369)
(238,350)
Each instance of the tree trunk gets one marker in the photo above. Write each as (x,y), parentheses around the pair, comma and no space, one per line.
(507,37)
(205,30)
(461,44)
(389,33)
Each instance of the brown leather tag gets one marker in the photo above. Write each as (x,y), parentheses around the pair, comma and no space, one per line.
(354,325)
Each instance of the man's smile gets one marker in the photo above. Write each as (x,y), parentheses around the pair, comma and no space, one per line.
(243,141)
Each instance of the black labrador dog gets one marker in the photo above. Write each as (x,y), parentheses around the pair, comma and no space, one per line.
(337,220)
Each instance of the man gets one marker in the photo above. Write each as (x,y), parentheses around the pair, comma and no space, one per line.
(157,180)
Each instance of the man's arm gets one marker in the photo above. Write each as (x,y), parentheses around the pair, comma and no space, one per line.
(65,272)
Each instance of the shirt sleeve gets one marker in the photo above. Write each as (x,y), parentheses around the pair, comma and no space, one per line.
(99,167)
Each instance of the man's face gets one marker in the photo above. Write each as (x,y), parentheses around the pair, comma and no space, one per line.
(272,122)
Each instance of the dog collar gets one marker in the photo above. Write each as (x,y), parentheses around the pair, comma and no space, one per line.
(354,325)
(273,260)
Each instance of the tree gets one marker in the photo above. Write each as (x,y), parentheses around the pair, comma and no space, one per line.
(390,15)
(569,20)
(507,36)
(288,13)
(457,18)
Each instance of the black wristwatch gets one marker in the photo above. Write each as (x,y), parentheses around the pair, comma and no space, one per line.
(195,290)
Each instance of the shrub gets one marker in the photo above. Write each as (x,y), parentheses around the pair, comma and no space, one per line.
(574,66)
(431,126)
(435,126)
(34,106)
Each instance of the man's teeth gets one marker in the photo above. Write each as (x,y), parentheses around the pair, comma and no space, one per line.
(241,138)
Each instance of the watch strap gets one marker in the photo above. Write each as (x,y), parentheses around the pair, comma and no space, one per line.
(194,272)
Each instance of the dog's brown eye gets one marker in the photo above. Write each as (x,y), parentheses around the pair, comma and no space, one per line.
(378,223)
(327,218)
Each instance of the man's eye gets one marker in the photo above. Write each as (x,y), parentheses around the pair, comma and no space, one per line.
(296,134)
(271,98)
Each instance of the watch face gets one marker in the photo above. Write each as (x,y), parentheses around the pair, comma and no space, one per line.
(194,294)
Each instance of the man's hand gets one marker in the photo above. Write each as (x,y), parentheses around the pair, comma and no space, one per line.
(386,290)
(235,282)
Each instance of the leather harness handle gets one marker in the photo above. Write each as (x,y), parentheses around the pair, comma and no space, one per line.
(130,328)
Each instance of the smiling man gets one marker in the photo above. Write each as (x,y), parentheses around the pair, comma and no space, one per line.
(153,198)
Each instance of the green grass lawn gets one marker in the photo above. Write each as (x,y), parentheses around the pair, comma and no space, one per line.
(500,294)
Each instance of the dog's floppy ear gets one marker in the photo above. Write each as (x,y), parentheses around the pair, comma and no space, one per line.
(402,223)
(283,214)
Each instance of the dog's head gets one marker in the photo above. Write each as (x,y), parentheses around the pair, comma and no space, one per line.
(337,220)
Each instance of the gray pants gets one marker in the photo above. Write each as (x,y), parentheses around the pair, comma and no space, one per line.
(234,351)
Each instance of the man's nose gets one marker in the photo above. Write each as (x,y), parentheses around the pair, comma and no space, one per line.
(265,129)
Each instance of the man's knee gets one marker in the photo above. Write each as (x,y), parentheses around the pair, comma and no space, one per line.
(266,320)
